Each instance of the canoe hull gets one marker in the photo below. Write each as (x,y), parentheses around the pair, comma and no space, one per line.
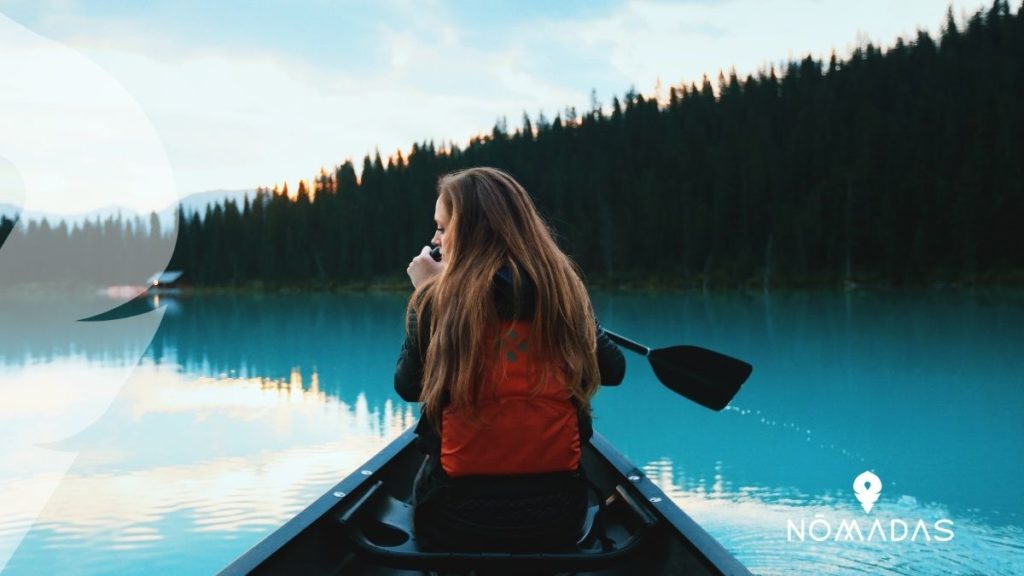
(316,541)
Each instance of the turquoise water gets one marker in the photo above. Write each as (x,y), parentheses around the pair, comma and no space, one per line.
(174,456)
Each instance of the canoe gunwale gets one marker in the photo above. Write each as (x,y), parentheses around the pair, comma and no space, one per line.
(702,544)
(354,482)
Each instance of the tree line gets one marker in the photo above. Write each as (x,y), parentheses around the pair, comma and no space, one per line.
(898,165)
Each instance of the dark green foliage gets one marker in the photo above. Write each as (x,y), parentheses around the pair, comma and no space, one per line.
(898,166)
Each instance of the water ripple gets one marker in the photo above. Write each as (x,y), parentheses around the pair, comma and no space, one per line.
(752,522)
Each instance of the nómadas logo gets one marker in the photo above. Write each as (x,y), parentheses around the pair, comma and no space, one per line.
(867,488)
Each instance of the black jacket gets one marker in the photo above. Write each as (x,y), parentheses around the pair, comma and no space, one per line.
(409,371)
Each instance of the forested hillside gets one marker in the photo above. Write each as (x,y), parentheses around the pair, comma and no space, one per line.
(896,166)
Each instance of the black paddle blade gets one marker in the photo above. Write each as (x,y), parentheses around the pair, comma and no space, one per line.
(704,376)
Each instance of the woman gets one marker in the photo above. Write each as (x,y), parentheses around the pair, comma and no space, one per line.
(503,351)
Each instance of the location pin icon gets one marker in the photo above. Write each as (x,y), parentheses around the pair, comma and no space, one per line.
(867,487)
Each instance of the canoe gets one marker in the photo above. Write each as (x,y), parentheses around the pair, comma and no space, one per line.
(363,526)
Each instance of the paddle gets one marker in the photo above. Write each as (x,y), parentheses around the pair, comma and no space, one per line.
(704,376)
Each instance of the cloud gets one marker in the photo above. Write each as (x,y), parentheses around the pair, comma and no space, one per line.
(230,118)
(68,125)
(676,42)
(243,122)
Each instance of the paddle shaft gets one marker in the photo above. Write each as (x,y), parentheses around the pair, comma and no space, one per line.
(628,344)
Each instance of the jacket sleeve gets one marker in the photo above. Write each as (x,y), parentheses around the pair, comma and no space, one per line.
(610,362)
(409,370)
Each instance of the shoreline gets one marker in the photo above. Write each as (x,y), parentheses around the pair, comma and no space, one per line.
(637,286)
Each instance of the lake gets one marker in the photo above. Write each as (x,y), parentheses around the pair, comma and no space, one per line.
(133,453)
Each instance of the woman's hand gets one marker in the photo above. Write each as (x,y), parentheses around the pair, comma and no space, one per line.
(423,267)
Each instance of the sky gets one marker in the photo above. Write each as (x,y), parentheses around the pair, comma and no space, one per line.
(234,95)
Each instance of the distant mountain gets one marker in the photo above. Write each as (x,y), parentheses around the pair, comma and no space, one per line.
(9,210)
(192,203)
(200,200)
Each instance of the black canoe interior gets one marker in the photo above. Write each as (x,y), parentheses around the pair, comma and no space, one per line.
(362,527)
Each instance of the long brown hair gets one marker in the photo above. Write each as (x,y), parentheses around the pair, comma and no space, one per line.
(494,223)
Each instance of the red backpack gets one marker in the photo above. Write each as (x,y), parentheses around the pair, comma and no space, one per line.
(519,429)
